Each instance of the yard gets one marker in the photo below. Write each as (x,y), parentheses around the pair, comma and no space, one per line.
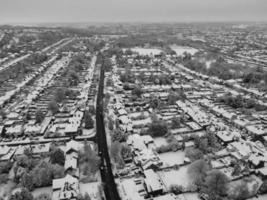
(43,190)
(159,141)
(146,51)
(91,188)
(5,189)
(172,158)
(253,184)
(260,197)
(130,190)
(180,50)
(191,196)
(177,177)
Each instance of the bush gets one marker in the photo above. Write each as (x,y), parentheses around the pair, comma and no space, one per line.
(3,178)
(157,128)
(90,158)
(119,136)
(88,120)
(60,95)
(241,191)
(217,183)
(57,156)
(198,171)
(176,122)
(53,107)
(24,194)
(173,146)
(6,168)
(194,154)
(43,197)
(137,91)
(176,189)
(39,116)
(42,175)
(111,124)
(27,181)
(263,188)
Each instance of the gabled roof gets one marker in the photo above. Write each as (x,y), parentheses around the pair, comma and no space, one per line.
(72,145)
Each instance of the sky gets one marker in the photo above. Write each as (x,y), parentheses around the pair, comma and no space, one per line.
(54,11)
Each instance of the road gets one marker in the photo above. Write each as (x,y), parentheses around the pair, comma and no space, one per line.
(110,187)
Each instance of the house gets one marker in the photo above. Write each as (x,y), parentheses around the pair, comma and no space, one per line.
(122,112)
(15,130)
(240,122)
(194,126)
(147,159)
(32,129)
(71,162)
(227,136)
(153,183)
(71,158)
(72,127)
(9,154)
(72,146)
(13,116)
(4,150)
(66,188)
(240,150)
(262,172)
(256,129)
(256,161)
(139,143)
(40,149)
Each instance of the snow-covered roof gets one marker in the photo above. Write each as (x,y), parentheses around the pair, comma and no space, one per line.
(152,181)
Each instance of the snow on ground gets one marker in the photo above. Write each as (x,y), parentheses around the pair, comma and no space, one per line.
(253,184)
(180,130)
(88,132)
(42,190)
(5,189)
(177,177)
(159,141)
(146,51)
(191,196)
(208,63)
(90,188)
(172,158)
(129,189)
(260,197)
(181,49)
(137,114)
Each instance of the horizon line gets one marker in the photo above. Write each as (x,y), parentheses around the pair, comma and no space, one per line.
(131,22)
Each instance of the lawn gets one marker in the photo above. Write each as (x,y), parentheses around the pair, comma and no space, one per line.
(42,190)
(159,141)
(129,189)
(260,197)
(180,50)
(146,51)
(172,158)
(253,184)
(5,189)
(177,177)
(90,188)
(191,196)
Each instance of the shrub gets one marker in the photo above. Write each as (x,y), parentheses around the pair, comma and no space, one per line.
(176,189)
